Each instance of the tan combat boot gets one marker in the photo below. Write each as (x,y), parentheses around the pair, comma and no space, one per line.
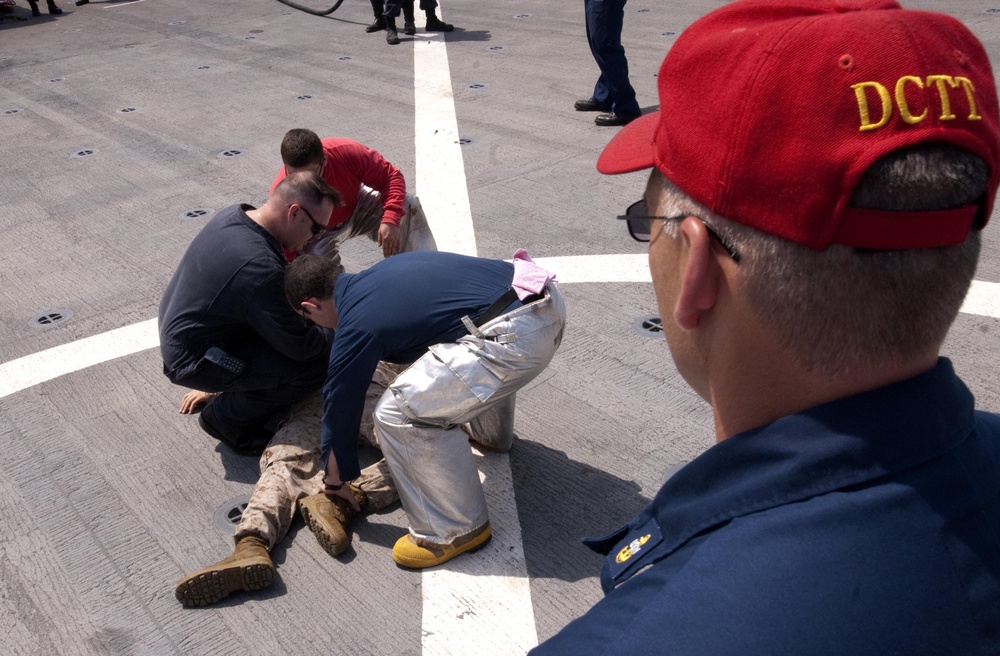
(328,516)
(248,568)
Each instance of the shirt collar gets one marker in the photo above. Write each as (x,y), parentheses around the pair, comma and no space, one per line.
(838,444)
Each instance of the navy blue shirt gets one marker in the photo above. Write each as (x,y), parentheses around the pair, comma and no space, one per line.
(869,525)
(229,287)
(394,311)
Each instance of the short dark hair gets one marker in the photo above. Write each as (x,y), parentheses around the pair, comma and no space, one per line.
(301,147)
(307,188)
(309,276)
(922,178)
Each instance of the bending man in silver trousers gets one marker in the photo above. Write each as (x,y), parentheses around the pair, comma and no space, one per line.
(476,331)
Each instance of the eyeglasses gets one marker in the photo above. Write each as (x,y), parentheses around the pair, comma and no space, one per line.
(317,228)
(640,226)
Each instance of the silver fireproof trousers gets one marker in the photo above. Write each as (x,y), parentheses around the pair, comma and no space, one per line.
(472,381)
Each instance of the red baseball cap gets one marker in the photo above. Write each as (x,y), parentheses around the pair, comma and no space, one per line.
(771,111)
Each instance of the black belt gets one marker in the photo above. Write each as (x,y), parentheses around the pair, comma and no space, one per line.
(499,305)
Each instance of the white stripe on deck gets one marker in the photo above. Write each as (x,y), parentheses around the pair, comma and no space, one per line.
(43,366)
(983,300)
(482,601)
(440,170)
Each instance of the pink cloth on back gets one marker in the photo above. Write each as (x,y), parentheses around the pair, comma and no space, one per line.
(529,278)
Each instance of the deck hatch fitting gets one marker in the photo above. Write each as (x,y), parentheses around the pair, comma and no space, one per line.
(49,319)
(229,514)
(649,326)
(196,213)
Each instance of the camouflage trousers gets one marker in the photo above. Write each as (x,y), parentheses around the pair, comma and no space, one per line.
(291,467)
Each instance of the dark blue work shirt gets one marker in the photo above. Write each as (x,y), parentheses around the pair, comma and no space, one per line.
(229,288)
(394,311)
(869,525)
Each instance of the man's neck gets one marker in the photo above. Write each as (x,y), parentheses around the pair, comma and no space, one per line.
(768,383)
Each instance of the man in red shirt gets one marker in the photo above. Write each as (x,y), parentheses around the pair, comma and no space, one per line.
(373,191)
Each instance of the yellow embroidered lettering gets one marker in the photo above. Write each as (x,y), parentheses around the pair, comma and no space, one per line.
(862,96)
(970,92)
(942,82)
(904,107)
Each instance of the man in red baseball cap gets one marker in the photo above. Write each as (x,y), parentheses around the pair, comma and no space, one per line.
(821,172)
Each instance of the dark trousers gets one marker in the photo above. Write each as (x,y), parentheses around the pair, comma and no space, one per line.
(264,393)
(393,7)
(604,34)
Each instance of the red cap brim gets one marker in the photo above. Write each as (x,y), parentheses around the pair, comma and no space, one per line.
(632,149)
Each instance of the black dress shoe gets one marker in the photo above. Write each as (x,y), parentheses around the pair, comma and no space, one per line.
(614,119)
(590,105)
(435,24)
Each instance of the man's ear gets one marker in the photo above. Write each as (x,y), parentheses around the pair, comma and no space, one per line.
(700,276)
(291,211)
(310,305)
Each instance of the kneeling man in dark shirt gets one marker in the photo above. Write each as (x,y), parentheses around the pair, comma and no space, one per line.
(225,326)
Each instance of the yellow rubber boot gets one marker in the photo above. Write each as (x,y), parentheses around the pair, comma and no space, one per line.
(408,553)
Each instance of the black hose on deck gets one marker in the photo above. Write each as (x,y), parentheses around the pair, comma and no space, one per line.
(314,12)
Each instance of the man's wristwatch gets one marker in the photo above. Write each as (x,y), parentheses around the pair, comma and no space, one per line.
(331,487)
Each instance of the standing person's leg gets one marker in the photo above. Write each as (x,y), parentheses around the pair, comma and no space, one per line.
(605,19)
(434,24)
(417,422)
(409,26)
(378,7)
(602,94)
(392,10)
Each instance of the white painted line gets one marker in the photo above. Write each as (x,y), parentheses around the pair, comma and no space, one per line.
(440,171)
(40,367)
(597,268)
(480,602)
(983,299)
(122,4)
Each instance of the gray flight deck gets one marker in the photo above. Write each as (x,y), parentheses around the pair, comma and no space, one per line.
(123,125)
